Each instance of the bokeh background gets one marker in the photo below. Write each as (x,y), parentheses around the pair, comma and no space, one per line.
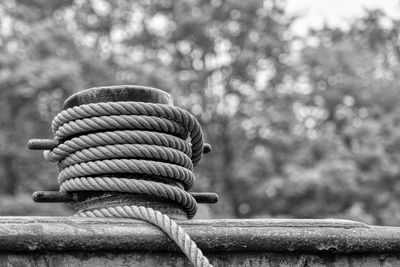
(302,110)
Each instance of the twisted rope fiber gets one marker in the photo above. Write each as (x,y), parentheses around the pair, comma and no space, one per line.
(128,151)
(162,221)
(119,122)
(137,108)
(113,138)
(133,186)
(99,142)
(165,170)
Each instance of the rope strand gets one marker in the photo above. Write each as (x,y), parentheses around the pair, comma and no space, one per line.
(162,221)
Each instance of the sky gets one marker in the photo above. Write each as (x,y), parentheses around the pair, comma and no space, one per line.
(335,12)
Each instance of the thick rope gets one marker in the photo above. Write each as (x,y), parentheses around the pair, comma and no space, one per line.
(136,108)
(114,146)
(162,221)
(116,137)
(133,186)
(119,122)
(164,170)
(128,151)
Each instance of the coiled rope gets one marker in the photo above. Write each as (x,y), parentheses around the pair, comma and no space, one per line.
(132,147)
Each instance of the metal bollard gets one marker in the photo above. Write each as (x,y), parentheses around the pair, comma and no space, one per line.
(88,200)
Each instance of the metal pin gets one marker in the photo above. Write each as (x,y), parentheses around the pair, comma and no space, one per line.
(42,144)
(55,196)
(205,197)
(51,197)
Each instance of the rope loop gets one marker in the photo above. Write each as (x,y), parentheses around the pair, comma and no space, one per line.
(115,166)
(123,114)
(144,187)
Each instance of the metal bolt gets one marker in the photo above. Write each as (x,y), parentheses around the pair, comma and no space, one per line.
(55,196)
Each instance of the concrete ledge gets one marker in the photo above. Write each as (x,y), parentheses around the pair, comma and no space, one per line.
(28,234)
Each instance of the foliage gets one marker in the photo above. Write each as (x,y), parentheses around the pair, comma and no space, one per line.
(309,132)
(350,111)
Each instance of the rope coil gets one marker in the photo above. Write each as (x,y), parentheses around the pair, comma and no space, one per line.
(109,146)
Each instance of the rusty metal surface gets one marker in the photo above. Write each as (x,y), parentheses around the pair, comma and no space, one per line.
(66,241)
(150,259)
(272,235)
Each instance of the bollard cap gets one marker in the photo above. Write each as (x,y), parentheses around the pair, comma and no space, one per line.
(116,93)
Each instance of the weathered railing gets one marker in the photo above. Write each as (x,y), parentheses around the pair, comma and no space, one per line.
(66,241)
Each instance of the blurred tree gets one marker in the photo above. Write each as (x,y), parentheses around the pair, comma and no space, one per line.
(40,65)
(348,166)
